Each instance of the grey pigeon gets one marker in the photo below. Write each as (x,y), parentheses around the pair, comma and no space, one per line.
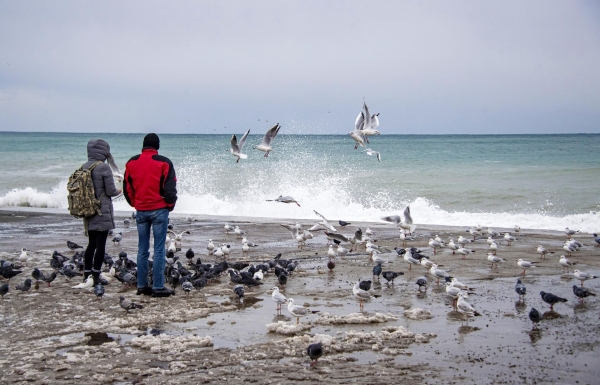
(391,275)
(4,290)
(520,289)
(377,270)
(99,291)
(73,245)
(535,317)
(597,238)
(24,286)
(344,223)
(187,286)
(331,264)
(422,282)
(581,293)
(314,351)
(551,299)
(126,222)
(36,274)
(48,278)
(239,291)
(128,305)
(117,238)
(69,272)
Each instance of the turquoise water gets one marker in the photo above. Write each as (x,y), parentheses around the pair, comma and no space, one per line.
(541,181)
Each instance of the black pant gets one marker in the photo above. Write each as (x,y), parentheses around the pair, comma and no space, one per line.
(94,254)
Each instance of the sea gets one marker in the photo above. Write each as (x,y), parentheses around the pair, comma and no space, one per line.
(534,181)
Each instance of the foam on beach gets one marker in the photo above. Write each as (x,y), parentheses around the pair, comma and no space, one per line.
(333,204)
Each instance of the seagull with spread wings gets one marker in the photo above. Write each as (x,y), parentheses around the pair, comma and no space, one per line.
(236,147)
(267,139)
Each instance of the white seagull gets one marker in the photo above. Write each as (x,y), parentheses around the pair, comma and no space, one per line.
(407,224)
(464,307)
(565,263)
(580,275)
(298,311)
(278,298)
(525,264)
(543,251)
(236,147)
(372,152)
(509,238)
(494,260)
(267,139)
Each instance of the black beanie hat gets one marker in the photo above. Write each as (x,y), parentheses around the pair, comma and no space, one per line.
(151,140)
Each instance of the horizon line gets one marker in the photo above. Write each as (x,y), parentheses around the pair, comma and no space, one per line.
(307,134)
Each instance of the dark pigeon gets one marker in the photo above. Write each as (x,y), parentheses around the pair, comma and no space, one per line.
(422,282)
(331,264)
(200,283)
(189,255)
(314,351)
(535,317)
(8,272)
(4,290)
(581,293)
(235,278)
(597,238)
(69,272)
(365,285)
(391,275)
(128,305)
(344,223)
(551,299)
(36,274)
(117,239)
(291,266)
(282,279)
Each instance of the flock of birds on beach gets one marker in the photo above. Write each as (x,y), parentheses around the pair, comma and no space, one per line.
(195,275)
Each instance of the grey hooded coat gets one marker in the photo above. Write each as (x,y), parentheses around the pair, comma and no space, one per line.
(104,185)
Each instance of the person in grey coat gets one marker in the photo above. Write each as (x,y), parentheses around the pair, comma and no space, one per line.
(97,227)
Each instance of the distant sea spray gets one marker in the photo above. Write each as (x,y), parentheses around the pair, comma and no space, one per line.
(535,181)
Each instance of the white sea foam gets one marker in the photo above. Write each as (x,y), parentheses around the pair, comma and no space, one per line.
(331,202)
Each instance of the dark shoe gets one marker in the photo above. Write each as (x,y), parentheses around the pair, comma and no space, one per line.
(96,279)
(146,290)
(164,292)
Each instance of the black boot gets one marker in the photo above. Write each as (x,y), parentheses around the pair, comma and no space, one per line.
(96,277)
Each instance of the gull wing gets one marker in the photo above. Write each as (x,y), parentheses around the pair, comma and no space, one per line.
(374,121)
(325,222)
(407,217)
(301,310)
(318,227)
(359,123)
(269,135)
(392,218)
(367,116)
(465,307)
(338,236)
(234,144)
(242,141)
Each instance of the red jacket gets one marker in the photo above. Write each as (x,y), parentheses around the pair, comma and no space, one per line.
(150,182)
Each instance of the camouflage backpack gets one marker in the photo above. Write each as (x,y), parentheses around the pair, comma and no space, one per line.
(82,198)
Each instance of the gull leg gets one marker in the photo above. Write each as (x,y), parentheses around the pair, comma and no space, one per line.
(237,160)
(297,320)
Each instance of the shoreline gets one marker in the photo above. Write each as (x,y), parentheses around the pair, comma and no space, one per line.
(272,220)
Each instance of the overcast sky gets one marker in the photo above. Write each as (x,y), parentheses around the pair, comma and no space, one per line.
(435,67)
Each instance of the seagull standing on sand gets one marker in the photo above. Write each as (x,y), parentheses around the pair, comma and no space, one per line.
(278,298)
(525,264)
(267,139)
(23,256)
(582,276)
(404,238)
(509,238)
(463,241)
(570,232)
(438,273)
(435,244)
(236,147)
(239,232)
(464,307)
(565,263)
(228,228)
(494,248)
(408,258)
(298,311)
(464,252)
(494,260)
(361,294)
(542,251)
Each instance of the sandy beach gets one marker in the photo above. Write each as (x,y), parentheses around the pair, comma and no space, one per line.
(58,334)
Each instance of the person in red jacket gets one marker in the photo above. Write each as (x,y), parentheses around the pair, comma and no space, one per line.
(150,186)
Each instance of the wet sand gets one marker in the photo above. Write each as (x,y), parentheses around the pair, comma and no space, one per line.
(61,335)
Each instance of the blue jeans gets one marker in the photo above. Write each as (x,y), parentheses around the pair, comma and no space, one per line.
(158,220)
